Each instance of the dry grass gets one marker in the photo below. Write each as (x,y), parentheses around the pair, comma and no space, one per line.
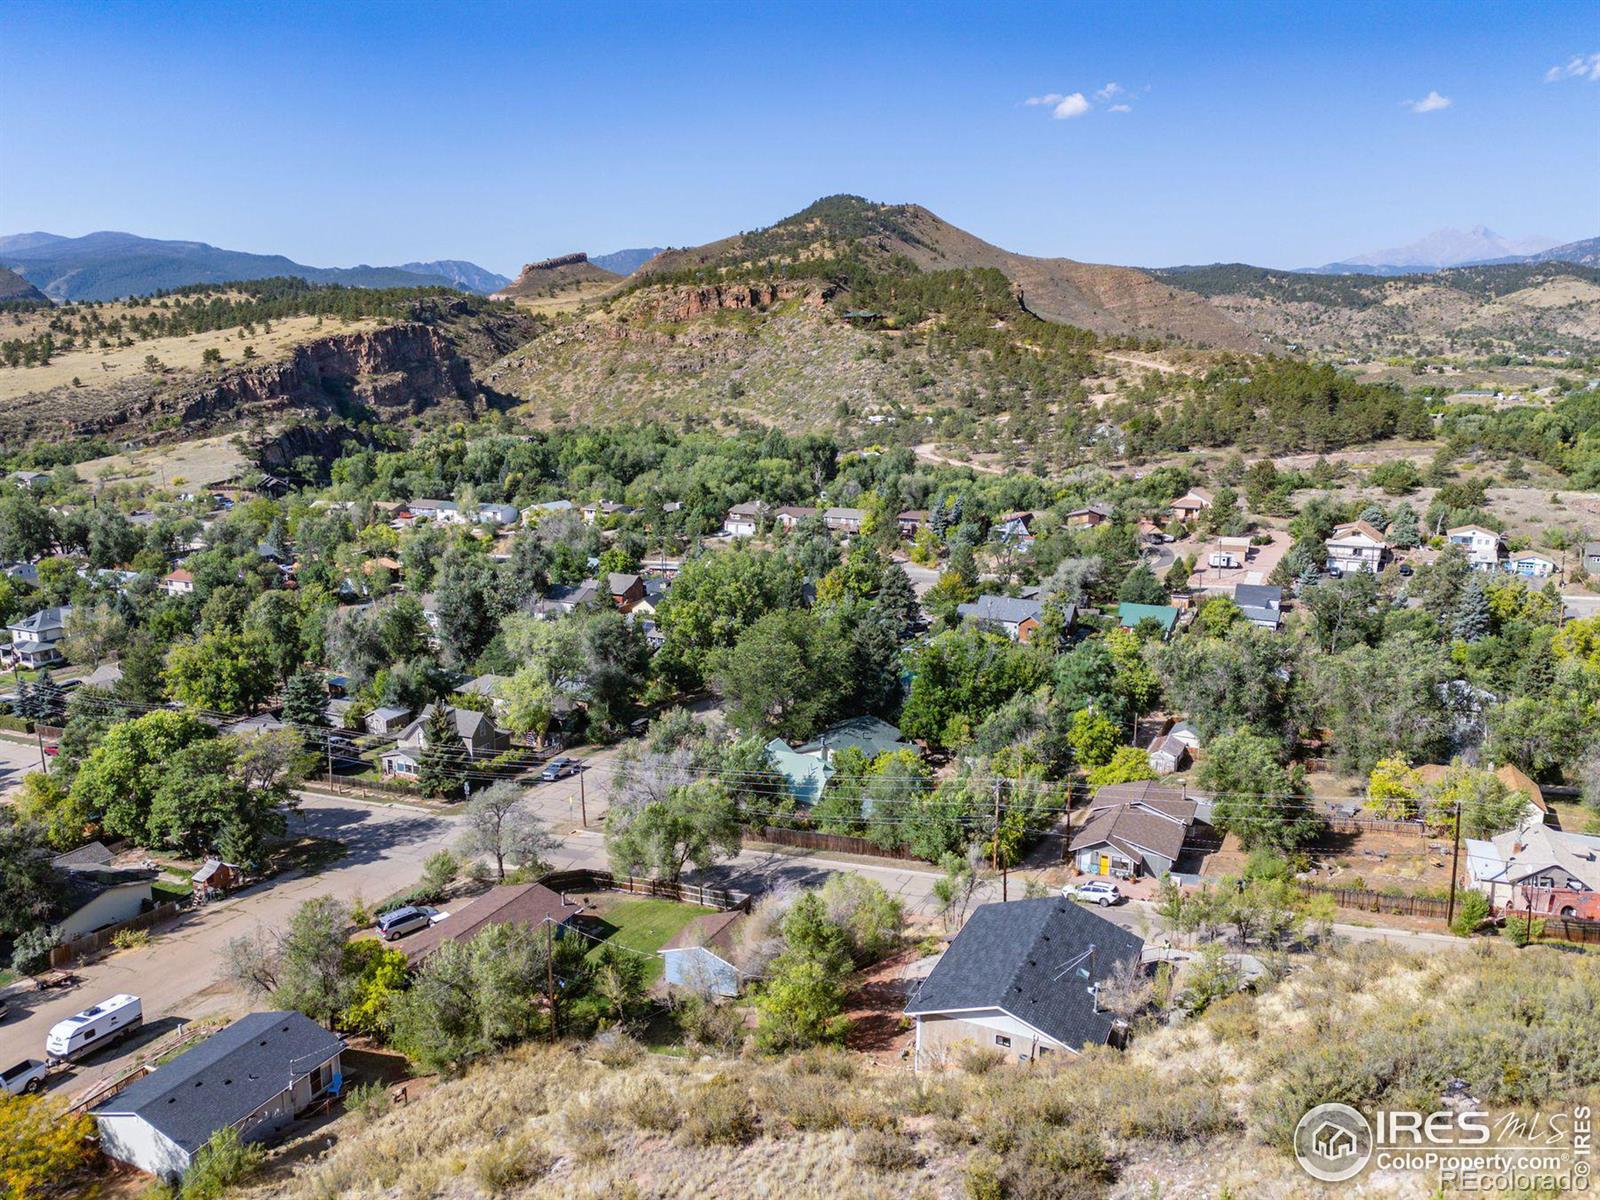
(197,464)
(1187,1111)
(97,368)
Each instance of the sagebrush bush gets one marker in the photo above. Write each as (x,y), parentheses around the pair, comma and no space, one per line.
(884,1152)
(720,1113)
(509,1163)
(651,1106)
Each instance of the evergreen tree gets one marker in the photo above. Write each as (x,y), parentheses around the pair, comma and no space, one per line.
(1140,586)
(440,763)
(1403,530)
(305,701)
(1472,615)
(1374,515)
(897,599)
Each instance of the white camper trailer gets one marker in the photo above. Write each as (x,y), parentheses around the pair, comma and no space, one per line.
(108,1021)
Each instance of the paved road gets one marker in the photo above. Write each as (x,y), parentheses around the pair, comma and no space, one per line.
(177,975)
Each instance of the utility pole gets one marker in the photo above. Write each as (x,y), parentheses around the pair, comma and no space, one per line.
(43,765)
(994,846)
(583,800)
(550,974)
(1455,866)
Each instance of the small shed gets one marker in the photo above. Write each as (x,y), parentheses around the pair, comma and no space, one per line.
(216,877)
(700,955)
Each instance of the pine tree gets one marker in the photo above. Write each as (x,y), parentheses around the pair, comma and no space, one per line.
(1472,615)
(1403,530)
(440,763)
(305,701)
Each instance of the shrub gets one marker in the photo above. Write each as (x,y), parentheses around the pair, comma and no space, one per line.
(30,953)
(982,1179)
(884,1152)
(979,1060)
(720,1113)
(130,939)
(651,1106)
(508,1163)
(1521,930)
(1472,910)
(368,1101)
(709,1025)
(40,1146)
(222,1162)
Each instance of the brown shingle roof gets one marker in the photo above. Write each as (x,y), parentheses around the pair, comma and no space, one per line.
(525,903)
(715,931)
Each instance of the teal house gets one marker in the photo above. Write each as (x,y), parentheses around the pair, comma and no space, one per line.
(1129,616)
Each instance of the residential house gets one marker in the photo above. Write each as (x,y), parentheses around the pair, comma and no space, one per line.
(260,723)
(32,479)
(530,904)
(1090,516)
(105,677)
(444,511)
(1017,618)
(911,522)
(97,894)
(843,520)
(1530,565)
(28,573)
(700,955)
(499,515)
(1133,829)
(545,507)
(476,732)
(1022,978)
(1261,604)
(1185,733)
(36,639)
(1591,557)
(562,599)
(807,768)
(1356,546)
(389,719)
(487,686)
(791,515)
(599,510)
(1015,527)
(744,520)
(1191,504)
(177,582)
(253,1076)
(625,588)
(1483,546)
(1129,616)
(1537,869)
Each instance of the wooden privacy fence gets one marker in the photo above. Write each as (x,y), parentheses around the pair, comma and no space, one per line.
(1406,906)
(88,943)
(1342,824)
(837,843)
(687,893)
(1566,929)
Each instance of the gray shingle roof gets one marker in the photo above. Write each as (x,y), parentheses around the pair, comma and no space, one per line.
(226,1077)
(1019,957)
(1002,610)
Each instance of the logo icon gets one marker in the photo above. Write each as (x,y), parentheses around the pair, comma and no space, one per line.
(1332,1142)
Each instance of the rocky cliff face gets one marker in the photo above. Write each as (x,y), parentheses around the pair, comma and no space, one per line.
(686,303)
(392,371)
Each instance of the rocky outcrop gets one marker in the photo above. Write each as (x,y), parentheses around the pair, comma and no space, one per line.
(686,303)
(551,275)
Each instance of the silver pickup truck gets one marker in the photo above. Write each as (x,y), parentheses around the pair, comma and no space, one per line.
(27,1076)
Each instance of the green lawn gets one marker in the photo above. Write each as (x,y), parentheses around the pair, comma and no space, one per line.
(644,924)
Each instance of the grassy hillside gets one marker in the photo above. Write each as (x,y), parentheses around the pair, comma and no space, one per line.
(1526,308)
(1188,1110)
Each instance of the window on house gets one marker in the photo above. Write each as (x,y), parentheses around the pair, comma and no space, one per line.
(1043,1050)
(1001,1039)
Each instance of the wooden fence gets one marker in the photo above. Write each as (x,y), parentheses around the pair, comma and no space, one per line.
(1341,824)
(687,893)
(836,843)
(1567,929)
(89,943)
(1406,906)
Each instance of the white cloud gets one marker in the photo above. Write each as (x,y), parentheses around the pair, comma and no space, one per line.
(1107,92)
(1047,98)
(1120,108)
(1579,66)
(1432,102)
(1071,106)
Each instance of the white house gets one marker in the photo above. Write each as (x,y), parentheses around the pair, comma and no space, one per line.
(35,640)
(744,519)
(98,894)
(253,1076)
(1483,546)
(1021,978)
(1356,547)
(177,582)
(1534,566)
(700,955)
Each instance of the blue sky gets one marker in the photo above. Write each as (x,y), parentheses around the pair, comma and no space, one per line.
(344,132)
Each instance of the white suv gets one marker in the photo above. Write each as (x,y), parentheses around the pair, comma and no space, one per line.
(1095,891)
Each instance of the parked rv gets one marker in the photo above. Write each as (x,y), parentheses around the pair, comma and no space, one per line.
(109,1021)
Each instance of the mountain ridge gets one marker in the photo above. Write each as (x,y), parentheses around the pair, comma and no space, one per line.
(111,264)
(1438,250)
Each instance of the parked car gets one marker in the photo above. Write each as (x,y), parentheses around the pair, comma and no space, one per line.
(1096,891)
(400,921)
(558,767)
(109,1021)
(1405,569)
(27,1076)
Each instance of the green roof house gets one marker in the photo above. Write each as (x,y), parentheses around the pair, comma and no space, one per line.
(1129,616)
